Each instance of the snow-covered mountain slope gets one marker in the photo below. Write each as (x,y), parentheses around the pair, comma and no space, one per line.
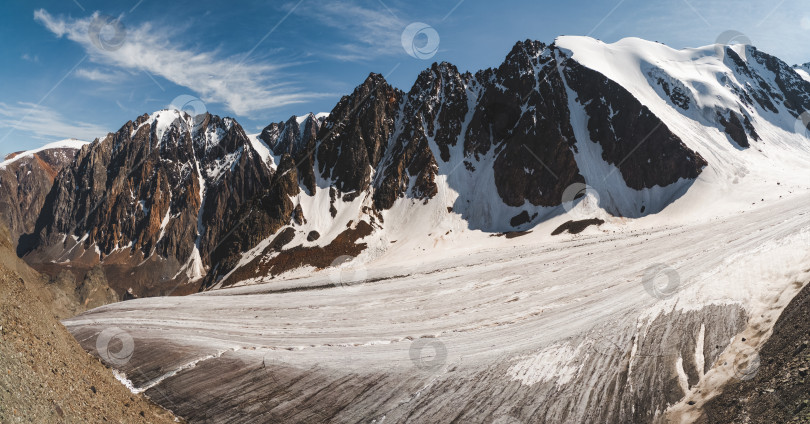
(394,261)
(803,71)
(66,144)
(636,126)
(399,263)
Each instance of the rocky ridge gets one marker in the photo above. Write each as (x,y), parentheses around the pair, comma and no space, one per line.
(26,180)
(173,203)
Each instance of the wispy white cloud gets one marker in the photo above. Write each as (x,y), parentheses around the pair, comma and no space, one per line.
(30,58)
(46,123)
(373,32)
(98,75)
(243,86)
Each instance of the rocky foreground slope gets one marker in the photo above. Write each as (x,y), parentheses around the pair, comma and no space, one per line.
(778,390)
(45,377)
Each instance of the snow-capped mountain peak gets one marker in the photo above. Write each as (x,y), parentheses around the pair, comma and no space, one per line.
(641,126)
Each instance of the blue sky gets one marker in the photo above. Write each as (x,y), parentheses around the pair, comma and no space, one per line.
(81,68)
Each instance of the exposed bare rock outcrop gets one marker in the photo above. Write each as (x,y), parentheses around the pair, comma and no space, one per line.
(151,202)
(632,138)
(355,135)
(24,185)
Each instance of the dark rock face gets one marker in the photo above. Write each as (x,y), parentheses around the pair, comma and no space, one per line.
(262,216)
(291,137)
(734,129)
(673,89)
(520,219)
(299,141)
(355,135)
(24,185)
(535,160)
(227,191)
(779,85)
(793,91)
(576,227)
(632,138)
(434,108)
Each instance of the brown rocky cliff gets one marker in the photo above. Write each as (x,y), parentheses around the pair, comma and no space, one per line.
(137,194)
(24,185)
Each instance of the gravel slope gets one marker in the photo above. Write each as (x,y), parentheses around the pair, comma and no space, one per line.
(45,376)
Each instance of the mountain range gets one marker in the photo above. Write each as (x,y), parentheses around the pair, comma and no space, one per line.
(172,203)
(514,220)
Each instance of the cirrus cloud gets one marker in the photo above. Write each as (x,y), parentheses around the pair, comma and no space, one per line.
(243,87)
(45,123)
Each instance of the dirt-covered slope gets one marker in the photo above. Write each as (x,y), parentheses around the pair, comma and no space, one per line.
(45,376)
